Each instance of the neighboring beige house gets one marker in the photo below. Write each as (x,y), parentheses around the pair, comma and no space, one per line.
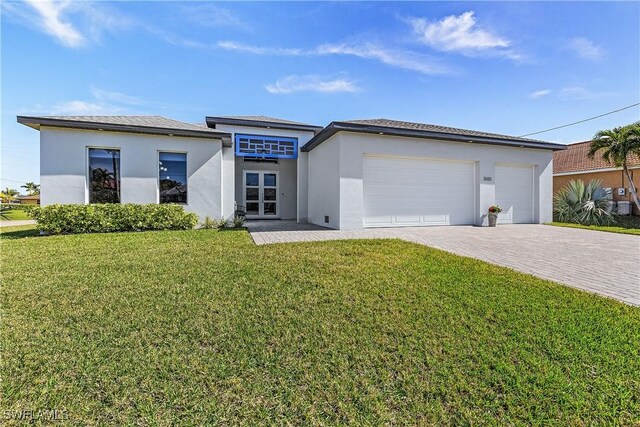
(29,200)
(574,163)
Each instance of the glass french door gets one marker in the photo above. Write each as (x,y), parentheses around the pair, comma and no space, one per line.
(260,191)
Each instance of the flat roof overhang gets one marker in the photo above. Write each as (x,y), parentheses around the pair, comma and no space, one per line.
(38,122)
(213,121)
(335,127)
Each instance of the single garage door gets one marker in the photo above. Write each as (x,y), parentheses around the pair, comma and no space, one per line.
(514,193)
(417,192)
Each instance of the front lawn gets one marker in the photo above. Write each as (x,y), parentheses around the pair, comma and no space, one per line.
(203,327)
(13,214)
(625,225)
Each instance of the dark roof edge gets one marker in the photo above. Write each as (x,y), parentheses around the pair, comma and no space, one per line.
(212,121)
(335,127)
(77,124)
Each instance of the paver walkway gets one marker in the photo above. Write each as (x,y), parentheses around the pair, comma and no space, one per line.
(17,223)
(604,263)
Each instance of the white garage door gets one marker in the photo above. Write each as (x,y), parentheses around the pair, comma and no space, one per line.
(417,192)
(514,193)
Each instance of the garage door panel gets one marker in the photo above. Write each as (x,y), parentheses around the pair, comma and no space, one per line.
(514,193)
(417,192)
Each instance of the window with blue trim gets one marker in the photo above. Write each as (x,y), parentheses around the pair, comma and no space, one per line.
(267,147)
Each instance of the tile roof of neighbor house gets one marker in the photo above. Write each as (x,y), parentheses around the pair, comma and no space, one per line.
(575,159)
(138,124)
(422,130)
(261,121)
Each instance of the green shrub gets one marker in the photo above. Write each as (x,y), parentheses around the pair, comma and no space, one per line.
(107,218)
(583,204)
(221,223)
(238,221)
(208,223)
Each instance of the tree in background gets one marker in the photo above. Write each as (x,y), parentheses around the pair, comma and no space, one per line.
(32,188)
(616,146)
(8,195)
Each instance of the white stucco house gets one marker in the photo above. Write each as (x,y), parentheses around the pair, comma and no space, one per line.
(347,175)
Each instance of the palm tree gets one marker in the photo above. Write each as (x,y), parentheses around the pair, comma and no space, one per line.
(32,188)
(617,145)
(9,195)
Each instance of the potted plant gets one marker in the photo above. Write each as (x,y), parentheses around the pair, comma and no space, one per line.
(494,210)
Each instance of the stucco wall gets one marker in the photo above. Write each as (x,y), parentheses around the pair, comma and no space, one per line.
(287,187)
(63,167)
(610,179)
(324,183)
(350,148)
(292,173)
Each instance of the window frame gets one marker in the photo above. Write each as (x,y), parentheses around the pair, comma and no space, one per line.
(238,153)
(186,176)
(87,181)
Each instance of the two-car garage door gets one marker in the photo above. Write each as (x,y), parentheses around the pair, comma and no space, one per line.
(420,192)
(416,192)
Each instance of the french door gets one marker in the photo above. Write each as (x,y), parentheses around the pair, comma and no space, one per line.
(260,194)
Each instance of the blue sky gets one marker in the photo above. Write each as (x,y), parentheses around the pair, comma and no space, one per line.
(510,68)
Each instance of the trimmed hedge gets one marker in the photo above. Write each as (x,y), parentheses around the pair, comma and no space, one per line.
(108,218)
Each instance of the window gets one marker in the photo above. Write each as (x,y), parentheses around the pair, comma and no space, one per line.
(104,175)
(173,177)
(268,147)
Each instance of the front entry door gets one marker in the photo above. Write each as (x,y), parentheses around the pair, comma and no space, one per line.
(260,191)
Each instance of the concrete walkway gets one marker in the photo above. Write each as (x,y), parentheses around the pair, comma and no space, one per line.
(604,263)
(17,223)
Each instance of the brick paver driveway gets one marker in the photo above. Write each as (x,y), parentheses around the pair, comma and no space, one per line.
(605,263)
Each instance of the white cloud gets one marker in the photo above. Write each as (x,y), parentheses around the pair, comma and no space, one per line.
(84,108)
(394,57)
(585,48)
(117,97)
(540,93)
(578,93)
(212,15)
(462,34)
(51,20)
(71,23)
(256,50)
(311,83)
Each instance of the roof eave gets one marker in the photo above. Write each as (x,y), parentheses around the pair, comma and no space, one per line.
(213,121)
(38,122)
(335,127)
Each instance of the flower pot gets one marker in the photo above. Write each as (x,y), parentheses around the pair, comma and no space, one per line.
(493,218)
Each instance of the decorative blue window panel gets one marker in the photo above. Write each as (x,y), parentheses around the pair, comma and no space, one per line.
(268,147)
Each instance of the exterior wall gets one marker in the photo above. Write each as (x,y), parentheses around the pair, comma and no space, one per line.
(292,172)
(64,168)
(613,179)
(324,183)
(345,152)
(287,187)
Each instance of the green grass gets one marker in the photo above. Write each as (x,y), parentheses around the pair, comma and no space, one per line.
(13,214)
(625,225)
(18,232)
(203,327)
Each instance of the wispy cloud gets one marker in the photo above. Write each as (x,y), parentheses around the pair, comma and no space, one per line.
(585,48)
(461,33)
(257,50)
(71,23)
(48,16)
(312,83)
(213,15)
(101,103)
(84,108)
(399,58)
(578,93)
(540,93)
